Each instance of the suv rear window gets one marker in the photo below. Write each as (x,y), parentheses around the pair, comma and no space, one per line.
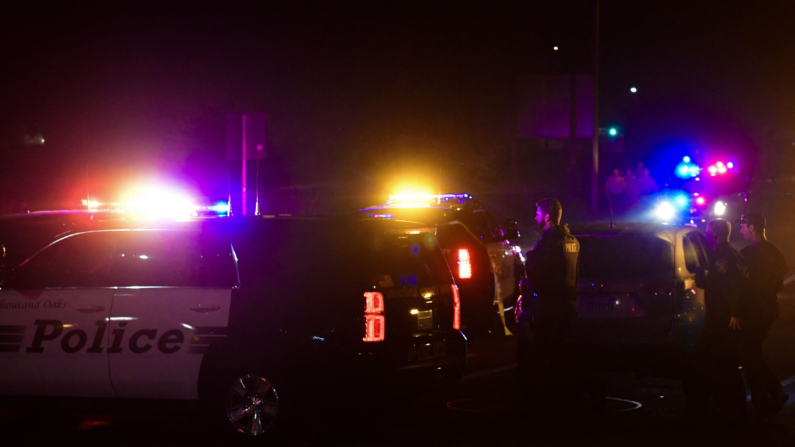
(410,260)
(624,256)
(311,255)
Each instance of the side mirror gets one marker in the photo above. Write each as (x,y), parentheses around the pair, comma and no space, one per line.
(510,230)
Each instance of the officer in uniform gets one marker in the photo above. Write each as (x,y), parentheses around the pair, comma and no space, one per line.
(724,289)
(549,295)
(766,269)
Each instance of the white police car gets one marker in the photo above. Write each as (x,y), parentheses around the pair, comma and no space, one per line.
(248,316)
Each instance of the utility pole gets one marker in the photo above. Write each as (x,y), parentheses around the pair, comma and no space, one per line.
(572,142)
(595,144)
(244,166)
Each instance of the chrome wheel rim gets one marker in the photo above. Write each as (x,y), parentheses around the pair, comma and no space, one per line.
(252,405)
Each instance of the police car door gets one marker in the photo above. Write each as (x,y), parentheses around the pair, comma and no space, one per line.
(174,303)
(53,319)
(503,261)
(501,254)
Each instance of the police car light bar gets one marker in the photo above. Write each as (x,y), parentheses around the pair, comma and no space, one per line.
(161,205)
(424,200)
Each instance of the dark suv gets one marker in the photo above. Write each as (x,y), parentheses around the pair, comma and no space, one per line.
(487,267)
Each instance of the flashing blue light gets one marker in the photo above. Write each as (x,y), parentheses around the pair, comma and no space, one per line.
(686,159)
(686,170)
(729,165)
(220,207)
(681,200)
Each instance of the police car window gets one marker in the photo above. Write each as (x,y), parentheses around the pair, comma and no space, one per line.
(495,227)
(700,245)
(691,258)
(624,256)
(177,259)
(481,226)
(83,260)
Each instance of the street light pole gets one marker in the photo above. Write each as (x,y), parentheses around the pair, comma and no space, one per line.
(244,167)
(595,144)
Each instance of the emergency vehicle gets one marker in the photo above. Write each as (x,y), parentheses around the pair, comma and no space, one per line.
(700,195)
(487,267)
(250,317)
(638,305)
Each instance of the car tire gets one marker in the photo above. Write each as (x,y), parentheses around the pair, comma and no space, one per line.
(241,398)
(251,404)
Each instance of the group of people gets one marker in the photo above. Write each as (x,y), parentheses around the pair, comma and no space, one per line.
(740,294)
(624,191)
(740,306)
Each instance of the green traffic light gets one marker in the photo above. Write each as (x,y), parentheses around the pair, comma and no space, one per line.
(612,131)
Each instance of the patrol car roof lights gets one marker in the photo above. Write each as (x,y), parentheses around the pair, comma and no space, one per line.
(456,308)
(374,320)
(156,202)
(425,200)
(665,211)
(719,168)
(464,264)
(686,169)
(220,207)
(719,209)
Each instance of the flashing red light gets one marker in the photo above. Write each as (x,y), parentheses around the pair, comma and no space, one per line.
(464,264)
(456,308)
(374,320)
(700,200)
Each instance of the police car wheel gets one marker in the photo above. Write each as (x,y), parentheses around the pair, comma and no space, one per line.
(251,405)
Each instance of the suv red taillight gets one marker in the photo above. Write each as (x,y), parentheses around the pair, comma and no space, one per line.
(464,264)
(374,317)
(456,308)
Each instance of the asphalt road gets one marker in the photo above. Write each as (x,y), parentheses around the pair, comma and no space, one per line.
(482,409)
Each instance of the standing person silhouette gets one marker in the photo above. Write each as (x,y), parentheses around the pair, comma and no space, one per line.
(766,270)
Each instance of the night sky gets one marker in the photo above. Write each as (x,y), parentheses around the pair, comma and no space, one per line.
(369,93)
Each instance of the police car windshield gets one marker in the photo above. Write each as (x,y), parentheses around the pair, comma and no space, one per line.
(624,256)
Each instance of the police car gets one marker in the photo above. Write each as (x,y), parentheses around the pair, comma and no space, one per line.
(638,306)
(251,317)
(719,191)
(487,267)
